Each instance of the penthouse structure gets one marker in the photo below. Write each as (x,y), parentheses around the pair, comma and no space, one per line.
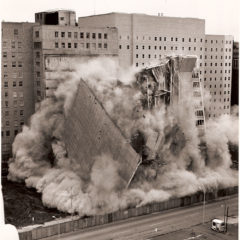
(137,40)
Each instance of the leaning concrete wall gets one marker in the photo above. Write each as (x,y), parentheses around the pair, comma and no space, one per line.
(90,133)
(70,225)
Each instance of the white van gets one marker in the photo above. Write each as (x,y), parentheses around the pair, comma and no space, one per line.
(218,225)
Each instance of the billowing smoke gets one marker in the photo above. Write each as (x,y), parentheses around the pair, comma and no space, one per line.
(178,166)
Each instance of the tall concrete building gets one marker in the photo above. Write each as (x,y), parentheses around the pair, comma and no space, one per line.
(30,50)
(58,38)
(144,39)
(17,82)
(218,74)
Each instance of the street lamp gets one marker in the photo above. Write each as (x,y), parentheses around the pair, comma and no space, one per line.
(204,193)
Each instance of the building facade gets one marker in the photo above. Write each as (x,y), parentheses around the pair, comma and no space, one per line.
(218,75)
(17,82)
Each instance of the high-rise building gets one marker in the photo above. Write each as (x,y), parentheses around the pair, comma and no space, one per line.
(217,74)
(17,82)
(137,40)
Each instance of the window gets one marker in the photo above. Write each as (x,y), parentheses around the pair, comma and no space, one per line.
(69,45)
(56,34)
(21,112)
(6,94)
(62,34)
(14,84)
(37,34)
(81,34)
(61,18)
(128,46)
(199,122)
(120,46)
(165,39)
(87,45)
(5,84)
(37,54)
(93,35)
(13,64)
(189,40)
(171,38)
(75,45)
(38,74)
(105,36)
(56,44)
(63,45)
(20,83)
(4,54)
(155,38)
(15,32)
(143,47)
(8,133)
(99,36)
(87,35)
(69,34)
(99,45)
(19,64)
(105,45)
(13,44)
(136,46)
(15,132)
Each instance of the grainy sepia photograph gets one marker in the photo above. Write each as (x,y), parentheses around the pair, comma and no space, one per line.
(119,120)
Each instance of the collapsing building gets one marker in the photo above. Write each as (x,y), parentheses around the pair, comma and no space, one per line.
(90,131)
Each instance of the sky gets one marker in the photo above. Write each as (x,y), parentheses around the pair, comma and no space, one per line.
(222,16)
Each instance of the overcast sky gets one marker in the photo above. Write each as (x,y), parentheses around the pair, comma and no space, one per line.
(222,16)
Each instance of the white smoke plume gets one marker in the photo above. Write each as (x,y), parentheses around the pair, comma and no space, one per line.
(40,158)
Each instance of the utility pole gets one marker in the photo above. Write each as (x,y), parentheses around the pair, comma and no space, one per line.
(204,205)
(226,220)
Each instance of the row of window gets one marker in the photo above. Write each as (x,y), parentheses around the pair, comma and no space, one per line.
(14,94)
(215,71)
(14,84)
(220,107)
(15,103)
(76,35)
(216,57)
(14,75)
(220,93)
(15,113)
(220,85)
(149,47)
(176,39)
(13,54)
(14,64)
(216,41)
(82,45)
(8,133)
(13,44)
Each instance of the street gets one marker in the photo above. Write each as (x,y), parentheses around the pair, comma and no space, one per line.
(157,224)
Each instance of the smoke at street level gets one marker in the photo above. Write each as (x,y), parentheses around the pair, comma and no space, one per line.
(40,158)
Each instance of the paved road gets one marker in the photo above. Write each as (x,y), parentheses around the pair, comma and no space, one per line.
(149,226)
